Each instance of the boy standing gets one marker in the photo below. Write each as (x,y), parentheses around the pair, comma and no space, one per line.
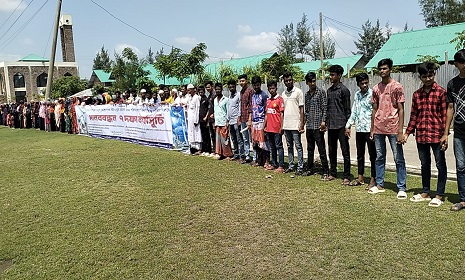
(361,116)
(274,127)
(456,111)
(387,121)
(234,118)
(337,114)
(246,113)
(259,99)
(223,146)
(315,113)
(293,123)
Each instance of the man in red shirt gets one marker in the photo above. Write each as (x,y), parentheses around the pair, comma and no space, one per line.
(428,121)
(273,126)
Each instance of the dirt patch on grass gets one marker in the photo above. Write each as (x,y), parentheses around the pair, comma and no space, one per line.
(4,265)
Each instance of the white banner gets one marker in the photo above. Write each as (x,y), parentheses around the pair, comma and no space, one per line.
(141,124)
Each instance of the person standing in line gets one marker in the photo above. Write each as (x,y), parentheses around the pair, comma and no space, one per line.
(246,114)
(428,122)
(338,113)
(203,115)
(293,123)
(223,146)
(273,127)
(193,126)
(209,87)
(361,117)
(260,149)
(315,115)
(234,120)
(387,121)
(456,111)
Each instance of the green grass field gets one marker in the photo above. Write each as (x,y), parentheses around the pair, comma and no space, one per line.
(73,207)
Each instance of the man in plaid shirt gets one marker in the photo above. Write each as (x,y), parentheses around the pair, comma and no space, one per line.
(428,121)
(315,115)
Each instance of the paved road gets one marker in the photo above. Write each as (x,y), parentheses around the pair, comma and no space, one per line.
(410,152)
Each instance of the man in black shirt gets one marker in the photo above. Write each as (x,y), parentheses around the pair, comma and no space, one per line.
(337,115)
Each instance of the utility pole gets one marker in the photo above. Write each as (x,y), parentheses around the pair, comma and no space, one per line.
(51,65)
(321,47)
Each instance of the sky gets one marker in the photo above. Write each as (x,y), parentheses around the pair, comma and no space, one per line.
(230,29)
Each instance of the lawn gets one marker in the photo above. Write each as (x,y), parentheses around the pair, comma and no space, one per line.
(74,207)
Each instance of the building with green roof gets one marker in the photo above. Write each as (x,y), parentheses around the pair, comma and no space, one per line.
(405,48)
(101,78)
(348,63)
(237,64)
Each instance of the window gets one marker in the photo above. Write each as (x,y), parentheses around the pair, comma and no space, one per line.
(18,80)
(67,74)
(42,80)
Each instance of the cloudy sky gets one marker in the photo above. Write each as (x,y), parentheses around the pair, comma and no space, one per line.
(231,29)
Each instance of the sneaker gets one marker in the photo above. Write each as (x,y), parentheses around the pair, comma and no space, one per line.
(279,170)
(289,170)
(324,177)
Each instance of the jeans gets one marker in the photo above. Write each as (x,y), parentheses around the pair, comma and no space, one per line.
(398,154)
(362,140)
(236,139)
(293,138)
(206,141)
(318,137)
(459,152)
(275,141)
(425,159)
(246,141)
(333,136)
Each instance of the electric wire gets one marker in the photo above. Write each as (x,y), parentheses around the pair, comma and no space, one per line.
(13,36)
(141,32)
(19,4)
(358,29)
(1,37)
(334,38)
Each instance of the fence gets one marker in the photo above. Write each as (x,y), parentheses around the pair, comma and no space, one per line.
(410,81)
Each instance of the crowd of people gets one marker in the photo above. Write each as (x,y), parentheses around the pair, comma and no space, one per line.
(49,116)
(229,126)
(247,125)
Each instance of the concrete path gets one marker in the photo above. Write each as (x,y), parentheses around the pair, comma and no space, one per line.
(410,152)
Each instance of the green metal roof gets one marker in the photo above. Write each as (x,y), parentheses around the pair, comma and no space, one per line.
(154,76)
(404,48)
(33,57)
(237,64)
(313,66)
(103,76)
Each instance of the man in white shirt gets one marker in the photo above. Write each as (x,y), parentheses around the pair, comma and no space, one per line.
(293,123)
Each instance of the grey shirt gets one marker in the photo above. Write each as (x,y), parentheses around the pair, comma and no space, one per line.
(234,110)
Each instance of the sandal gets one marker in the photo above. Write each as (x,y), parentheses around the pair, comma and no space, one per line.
(436,202)
(330,178)
(345,182)
(457,207)
(356,182)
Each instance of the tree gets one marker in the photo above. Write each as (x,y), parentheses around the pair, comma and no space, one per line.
(287,39)
(303,37)
(165,64)
(459,40)
(276,65)
(127,69)
(371,40)
(329,47)
(186,64)
(67,86)
(442,12)
(102,60)
(149,59)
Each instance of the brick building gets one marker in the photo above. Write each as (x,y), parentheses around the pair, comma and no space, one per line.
(26,79)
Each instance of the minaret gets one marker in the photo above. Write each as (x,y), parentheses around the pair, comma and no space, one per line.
(67,42)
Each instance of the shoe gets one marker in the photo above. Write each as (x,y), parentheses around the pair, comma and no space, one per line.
(300,173)
(289,170)
(324,177)
(279,170)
